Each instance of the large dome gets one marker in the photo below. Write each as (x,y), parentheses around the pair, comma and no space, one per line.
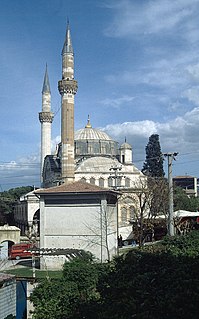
(93,142)
(89,133)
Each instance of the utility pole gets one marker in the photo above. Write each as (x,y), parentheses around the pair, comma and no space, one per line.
(170,157)
(114,174)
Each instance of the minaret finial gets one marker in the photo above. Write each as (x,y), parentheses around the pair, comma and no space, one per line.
(88,125)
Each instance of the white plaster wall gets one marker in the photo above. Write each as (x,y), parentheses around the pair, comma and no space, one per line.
(128,156)
(8,299)
(9,234)
(79,228)
(32,208)
(71,227)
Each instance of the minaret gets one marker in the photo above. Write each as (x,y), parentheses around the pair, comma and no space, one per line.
(46,118)
(67,88)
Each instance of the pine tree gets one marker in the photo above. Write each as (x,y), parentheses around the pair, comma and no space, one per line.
(153,165)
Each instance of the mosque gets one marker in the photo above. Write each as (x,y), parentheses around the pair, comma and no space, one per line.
(91,154)
(87,156)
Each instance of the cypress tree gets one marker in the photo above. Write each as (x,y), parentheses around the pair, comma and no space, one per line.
(153,165)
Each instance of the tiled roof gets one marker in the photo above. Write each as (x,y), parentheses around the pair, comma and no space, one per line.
(76,187)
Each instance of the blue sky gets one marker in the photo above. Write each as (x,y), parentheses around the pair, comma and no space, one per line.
(137,67)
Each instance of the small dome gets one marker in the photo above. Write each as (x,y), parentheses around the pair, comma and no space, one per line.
(126,146)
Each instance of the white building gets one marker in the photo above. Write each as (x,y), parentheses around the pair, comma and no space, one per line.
(78,216)
(7,295)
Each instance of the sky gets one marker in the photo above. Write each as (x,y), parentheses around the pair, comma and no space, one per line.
(137,67)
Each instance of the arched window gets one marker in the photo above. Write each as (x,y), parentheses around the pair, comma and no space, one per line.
(101,182)
(132,213)
(123,215)
(110,182)
(127,182)
(92,180)
(83,179)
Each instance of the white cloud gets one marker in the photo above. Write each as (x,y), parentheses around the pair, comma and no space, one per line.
(151,17)
(192,94)
(117,102)
(24,171)
(179,135)
(193,71)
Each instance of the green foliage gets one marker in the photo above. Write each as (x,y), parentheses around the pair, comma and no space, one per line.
(185,245)
(71,296)
(10,317)
(182,201)
(153,165)
(156,282)
(7,201)
(158,285)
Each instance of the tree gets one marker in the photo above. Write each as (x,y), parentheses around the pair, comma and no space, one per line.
(7,201)
(102,230)
(182,201)
(153,165)
(156,282)
(151,200)
(71,296)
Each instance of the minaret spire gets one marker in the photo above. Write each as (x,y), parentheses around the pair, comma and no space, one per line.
(67,88)
(45,118)
(67,48)
(46,84)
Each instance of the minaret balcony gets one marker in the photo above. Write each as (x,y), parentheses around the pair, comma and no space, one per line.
(46,117)
(67,86)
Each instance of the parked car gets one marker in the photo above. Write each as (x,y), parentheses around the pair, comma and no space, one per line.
(22,250)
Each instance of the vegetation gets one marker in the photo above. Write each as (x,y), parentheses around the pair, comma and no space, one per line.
(156,282)
(153,165)
(7,201)
(70,296)
(182,201)
(151,200)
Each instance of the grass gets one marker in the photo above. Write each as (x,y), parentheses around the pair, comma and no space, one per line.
(39,274)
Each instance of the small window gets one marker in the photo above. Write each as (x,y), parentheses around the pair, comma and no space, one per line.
(92,180)
(123,215)
(101,182)
(83,179)
(119,181)
(132,213)
(110,182)
(127,182)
